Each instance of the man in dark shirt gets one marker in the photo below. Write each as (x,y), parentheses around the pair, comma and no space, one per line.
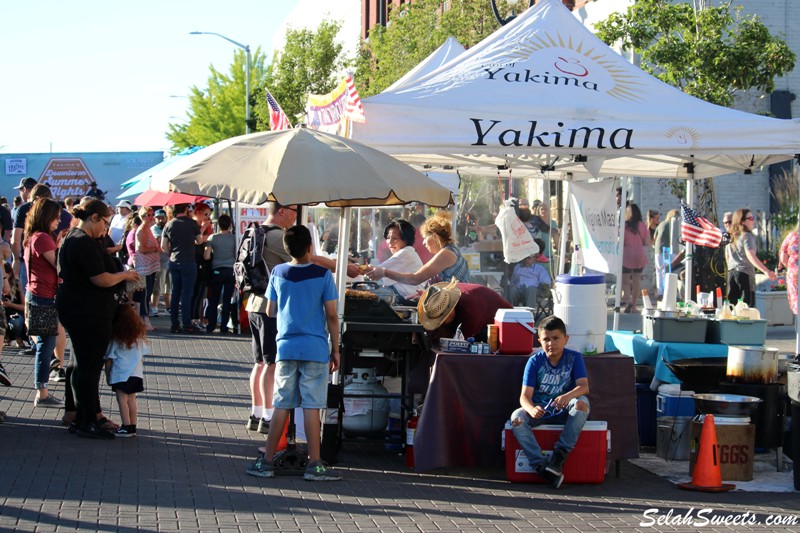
(178,239)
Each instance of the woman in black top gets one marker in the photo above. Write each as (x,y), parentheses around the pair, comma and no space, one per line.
(86,303)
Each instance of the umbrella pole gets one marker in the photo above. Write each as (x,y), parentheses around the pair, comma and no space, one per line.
(341,267)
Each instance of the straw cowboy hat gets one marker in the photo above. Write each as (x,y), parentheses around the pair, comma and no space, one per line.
(436,303)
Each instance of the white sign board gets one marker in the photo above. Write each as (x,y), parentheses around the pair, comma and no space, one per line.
(594,224)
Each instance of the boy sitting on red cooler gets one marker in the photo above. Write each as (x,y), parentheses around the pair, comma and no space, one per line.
(554,390)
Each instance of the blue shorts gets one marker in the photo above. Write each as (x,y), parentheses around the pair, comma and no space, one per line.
(301,384)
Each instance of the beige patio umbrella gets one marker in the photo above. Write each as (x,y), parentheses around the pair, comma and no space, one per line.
(299,166)
(305,167)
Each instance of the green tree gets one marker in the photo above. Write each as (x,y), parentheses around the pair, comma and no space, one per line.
(311,62)
(218,111)
(413,32)
(710,52)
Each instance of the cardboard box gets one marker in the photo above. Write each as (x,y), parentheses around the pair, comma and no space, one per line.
(585,464)
(735,446)
(453,345)
(495,245)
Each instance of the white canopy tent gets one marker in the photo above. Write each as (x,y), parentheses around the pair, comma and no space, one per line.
(450,49)
(545,94)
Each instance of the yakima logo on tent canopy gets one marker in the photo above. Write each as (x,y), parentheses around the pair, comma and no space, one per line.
(68,176)
(487,132)
(547,78)
(549,59)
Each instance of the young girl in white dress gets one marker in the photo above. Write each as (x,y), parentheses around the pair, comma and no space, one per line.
(124,366)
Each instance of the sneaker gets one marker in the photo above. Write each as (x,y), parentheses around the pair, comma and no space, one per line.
(154,311)
(192,330)
(125,433)
(54,363)
(261,467)
(50,401)
(556,463)
(252,423)
(4,379)
(93,431)
(320,471)
(58,375)
(554,480)
(175,329)
(263,426)
(29,351)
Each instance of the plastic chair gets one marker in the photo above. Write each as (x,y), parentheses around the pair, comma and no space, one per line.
(544,302)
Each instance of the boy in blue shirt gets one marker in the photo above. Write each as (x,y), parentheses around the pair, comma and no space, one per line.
(554,379)
(302,296)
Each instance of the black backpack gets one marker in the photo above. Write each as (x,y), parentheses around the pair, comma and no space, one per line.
(250,270)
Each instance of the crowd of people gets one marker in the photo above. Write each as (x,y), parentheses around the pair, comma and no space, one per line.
(77,268)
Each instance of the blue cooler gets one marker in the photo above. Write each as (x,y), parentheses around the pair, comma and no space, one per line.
(646,412)
(672,401)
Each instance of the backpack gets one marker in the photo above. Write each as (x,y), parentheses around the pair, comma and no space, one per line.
(123,254)
(250,270)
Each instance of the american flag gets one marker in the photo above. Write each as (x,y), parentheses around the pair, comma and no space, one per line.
(697,230)
(277,118)
(352,106)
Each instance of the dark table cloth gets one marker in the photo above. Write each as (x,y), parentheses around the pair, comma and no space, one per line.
(470,398)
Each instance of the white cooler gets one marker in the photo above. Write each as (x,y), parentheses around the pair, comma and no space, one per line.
(580,301)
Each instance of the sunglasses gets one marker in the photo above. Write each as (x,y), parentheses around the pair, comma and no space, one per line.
(749,218)
(726,221)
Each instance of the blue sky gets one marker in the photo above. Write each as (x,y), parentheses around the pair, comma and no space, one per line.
(92,76)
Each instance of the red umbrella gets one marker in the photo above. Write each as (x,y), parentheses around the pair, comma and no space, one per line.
(151,197)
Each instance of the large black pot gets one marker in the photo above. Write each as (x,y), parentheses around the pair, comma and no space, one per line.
(701,374)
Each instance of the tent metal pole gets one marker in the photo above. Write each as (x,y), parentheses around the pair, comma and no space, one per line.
(687,289)
(796,321)
(623,201)
(565,219)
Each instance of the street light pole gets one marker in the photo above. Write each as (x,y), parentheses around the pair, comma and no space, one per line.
(512,16)
(246,49)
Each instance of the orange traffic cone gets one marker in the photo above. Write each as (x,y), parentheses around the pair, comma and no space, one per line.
(707,476)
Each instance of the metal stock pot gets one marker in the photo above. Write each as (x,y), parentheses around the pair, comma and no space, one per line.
(752,364)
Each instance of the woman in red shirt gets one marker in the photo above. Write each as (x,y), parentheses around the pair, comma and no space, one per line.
(40,259)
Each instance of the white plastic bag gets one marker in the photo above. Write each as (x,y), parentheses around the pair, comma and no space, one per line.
(517,241)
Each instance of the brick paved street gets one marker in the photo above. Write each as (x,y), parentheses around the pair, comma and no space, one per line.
(185,471)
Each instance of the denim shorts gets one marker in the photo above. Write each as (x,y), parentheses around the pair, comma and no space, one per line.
(301,384)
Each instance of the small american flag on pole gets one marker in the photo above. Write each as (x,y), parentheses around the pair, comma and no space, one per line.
(277,118)
(697,230)
(352,107)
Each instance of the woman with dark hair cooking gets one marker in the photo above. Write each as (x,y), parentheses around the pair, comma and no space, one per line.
(400,235)
(86,304)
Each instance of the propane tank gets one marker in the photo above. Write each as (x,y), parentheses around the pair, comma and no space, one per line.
(411,429)
(364,415)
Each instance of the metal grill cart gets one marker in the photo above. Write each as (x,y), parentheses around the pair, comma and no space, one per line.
(373,335)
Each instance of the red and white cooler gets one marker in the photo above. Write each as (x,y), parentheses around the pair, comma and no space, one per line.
(515,331)
(585,464)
